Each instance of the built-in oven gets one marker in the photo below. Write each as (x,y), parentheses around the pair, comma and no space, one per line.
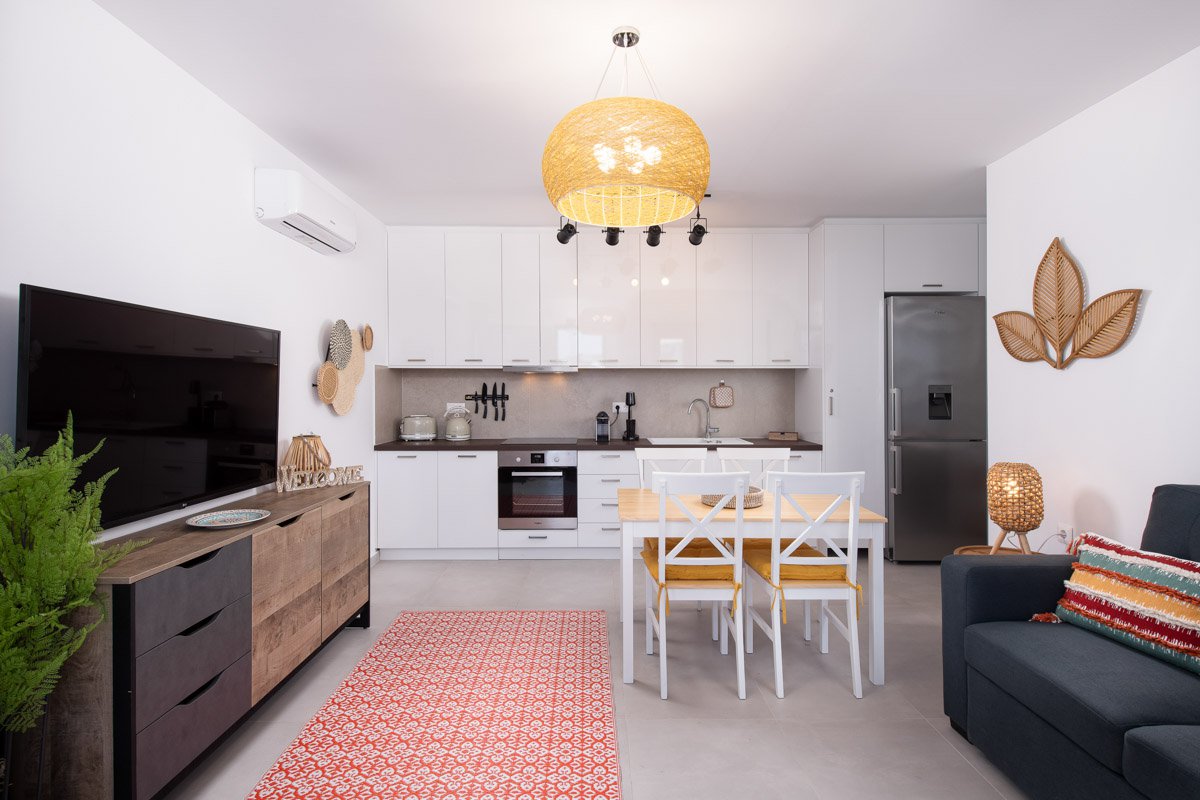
(538,490)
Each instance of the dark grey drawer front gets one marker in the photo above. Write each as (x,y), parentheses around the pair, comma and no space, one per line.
(178,598)
(184,663)
(184,732)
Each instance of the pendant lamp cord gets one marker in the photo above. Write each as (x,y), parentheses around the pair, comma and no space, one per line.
(625,75)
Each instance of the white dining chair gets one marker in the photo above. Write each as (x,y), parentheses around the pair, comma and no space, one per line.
(703,565)
(773,459)
(674,459)
(807,563)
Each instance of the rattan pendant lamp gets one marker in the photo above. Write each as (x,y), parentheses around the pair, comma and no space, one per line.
(625,160)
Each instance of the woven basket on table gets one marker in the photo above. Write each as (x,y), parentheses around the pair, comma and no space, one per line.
(754,499)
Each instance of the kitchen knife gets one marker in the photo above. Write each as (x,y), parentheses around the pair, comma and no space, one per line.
(477,403)
(484,393)
(495,404)
(504,402)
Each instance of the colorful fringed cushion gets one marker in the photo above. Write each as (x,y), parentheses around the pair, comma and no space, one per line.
(1145,600)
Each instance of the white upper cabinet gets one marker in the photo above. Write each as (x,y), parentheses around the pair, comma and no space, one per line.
(725,300)
(473,329)
(931,257)
(416,298)
(609,300)
(781,300)
(519,293)
(669,302)
(559,302)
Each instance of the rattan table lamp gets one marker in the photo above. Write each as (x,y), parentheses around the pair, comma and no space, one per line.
(1014,494)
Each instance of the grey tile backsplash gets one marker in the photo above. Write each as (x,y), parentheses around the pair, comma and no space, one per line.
(567,404)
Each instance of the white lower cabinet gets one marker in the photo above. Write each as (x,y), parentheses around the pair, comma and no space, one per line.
(467,499)
(408,500)
(600,476)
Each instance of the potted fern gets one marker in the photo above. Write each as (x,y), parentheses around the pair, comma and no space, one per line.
(48,569)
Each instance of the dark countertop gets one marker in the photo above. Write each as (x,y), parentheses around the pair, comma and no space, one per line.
(580,444)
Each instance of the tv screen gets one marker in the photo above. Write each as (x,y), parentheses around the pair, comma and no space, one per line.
(187,407)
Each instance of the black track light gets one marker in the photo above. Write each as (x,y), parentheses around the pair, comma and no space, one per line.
(697,234)
(612,236)
(566,232)
(654,235)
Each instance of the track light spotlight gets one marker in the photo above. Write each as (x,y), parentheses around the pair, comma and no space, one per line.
(565,232)
(612,236)
(654,235)
(697,233)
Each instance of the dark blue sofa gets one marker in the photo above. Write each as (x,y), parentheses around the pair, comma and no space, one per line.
(1063,712)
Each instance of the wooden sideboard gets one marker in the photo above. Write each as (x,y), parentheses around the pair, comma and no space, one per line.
(203,625)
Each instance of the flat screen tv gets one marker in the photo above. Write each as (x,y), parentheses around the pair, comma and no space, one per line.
(188,407)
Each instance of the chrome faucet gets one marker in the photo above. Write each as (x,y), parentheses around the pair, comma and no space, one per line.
(709,430)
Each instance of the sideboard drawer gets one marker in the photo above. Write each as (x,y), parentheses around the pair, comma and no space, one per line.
(184,732)
(185,662)
(177,598)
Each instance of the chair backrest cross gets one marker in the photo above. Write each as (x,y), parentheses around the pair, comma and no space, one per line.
(772,459)
(667,459)
(677,495)
(831,491)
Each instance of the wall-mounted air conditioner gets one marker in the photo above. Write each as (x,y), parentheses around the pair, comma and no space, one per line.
(286,201)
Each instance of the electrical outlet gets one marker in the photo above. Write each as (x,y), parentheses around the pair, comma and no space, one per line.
(617,407)
(1066,532)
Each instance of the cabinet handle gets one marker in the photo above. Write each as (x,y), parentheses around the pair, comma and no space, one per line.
(473,360)
(611,456)
(198,560)
(556,361)
(723,360)
(608,504)
(519,360)
(473,455)
(895,412)
(831,405)
(668,361)
(201,625)
(194,696)
(931,286)
(543,536)
(781,361)
(533,474)
(405,456)
(610,529)
(204,349)
(416,359)
(897,461)
(610,480)
(609,360)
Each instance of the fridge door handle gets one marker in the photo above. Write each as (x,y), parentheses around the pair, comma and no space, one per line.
(897,460)
(895,411)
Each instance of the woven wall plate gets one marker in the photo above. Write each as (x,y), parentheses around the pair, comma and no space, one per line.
(348,378)
(340,344)
(720,396)
(368,337)
(327,382)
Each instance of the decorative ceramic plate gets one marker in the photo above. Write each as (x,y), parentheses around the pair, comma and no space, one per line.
(228,519)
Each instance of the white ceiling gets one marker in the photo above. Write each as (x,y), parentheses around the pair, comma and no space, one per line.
(437,112)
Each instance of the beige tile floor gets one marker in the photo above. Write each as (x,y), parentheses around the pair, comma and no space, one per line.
(703,742)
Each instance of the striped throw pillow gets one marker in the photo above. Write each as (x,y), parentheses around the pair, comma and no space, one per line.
(1145,600)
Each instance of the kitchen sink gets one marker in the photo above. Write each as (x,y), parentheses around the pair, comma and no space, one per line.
(696,440)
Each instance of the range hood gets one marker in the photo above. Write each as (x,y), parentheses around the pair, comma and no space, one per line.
(527,368)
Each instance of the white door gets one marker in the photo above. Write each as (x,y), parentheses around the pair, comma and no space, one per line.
(519,292)
(724,300)
(416,298)
(473,328)
(931,257)
(467,499)
(854,369)
(407,488)
(669,302)
(609,300)
(559,304)
(781,299)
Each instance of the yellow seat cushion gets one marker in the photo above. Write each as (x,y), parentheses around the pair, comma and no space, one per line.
(760,561)
(722,573)
(652,543)
(765,544)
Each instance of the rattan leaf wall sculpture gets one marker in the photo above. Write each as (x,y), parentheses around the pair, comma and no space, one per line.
(1061,329)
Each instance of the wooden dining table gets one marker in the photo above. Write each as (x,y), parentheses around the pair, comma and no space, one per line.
(638,513)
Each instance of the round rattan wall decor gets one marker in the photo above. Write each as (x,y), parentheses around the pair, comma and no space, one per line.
(368,337)
(340,344)
(327,382)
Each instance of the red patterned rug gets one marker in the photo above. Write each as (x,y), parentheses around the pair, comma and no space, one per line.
(469,705)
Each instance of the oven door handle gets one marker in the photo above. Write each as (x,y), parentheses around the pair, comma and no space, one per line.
(536,474)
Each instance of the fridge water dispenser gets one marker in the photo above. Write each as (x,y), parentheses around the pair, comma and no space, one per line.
(940,401)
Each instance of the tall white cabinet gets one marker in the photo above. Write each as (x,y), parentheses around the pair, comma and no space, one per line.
(416,298)
(520,301)
(668,303)
(780,302)
(473,321)
(559,287)
(725,300)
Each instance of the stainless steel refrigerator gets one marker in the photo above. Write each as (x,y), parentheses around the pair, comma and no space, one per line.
(937,425)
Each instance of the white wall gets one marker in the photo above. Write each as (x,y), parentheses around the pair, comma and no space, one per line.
(1120,184)
(123,177)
